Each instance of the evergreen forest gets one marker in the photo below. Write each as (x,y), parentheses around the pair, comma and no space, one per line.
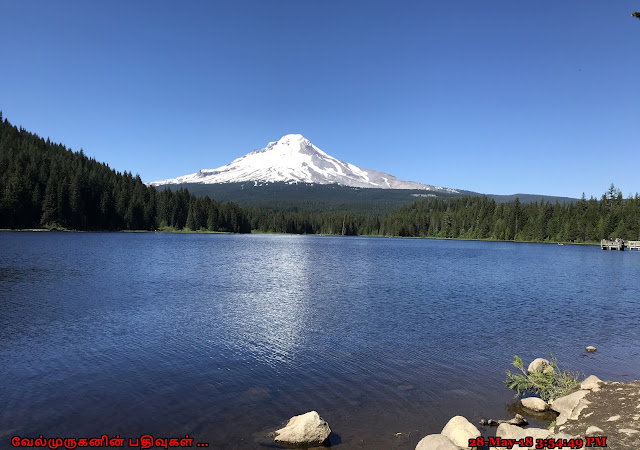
(46,185)
(478,217)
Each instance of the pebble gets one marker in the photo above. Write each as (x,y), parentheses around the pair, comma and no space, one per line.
(593,430)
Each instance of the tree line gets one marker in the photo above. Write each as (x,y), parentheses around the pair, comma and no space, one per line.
(44,184)
(47,185)
(473,217)
(482,218)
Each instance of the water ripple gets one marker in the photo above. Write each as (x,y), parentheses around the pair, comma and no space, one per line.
(225,336)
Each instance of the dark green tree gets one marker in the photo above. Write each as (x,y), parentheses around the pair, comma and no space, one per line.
(46,184)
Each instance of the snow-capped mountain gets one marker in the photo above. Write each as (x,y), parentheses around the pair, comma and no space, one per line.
(293,159)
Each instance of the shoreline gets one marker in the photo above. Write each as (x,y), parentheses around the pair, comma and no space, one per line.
(183,231)
(596,414)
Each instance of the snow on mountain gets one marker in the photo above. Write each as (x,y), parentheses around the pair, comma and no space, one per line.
(293,159)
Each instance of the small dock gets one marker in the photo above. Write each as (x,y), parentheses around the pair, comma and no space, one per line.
(613,244)
(633,245)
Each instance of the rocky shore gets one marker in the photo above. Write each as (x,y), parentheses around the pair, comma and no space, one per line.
(605,415)
(612,410)
(596,415)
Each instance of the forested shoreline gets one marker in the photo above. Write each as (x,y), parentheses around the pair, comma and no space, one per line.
(482,218)
(46,185)
(474,218)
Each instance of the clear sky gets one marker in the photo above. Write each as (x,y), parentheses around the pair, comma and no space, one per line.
(499,96)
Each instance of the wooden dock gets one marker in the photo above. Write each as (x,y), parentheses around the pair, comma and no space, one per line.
(609,244)
(619,244)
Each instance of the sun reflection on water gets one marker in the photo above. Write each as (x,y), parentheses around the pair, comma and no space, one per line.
(270,313)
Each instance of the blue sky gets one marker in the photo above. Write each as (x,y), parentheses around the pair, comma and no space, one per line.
(494,97)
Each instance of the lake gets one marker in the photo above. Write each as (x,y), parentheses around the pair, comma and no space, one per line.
(225,337)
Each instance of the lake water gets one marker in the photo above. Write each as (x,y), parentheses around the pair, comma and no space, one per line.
(225,337)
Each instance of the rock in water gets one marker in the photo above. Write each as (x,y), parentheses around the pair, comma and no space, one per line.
(306,429)
(534,404)
(436,442)
(459,430)
(540,365)
(518,421)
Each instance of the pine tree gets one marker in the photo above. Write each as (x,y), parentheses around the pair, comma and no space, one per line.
(191,218)
(50,204)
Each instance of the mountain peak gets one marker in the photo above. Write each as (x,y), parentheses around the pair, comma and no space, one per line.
(290,144)
(292,138)
(294,159)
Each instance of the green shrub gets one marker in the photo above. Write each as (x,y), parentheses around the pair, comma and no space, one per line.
(547,385)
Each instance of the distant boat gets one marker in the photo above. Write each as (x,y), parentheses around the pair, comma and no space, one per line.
(560,243)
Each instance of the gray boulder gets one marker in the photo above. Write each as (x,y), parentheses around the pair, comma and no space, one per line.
(566,405)
(518,420)
(306,429)
(459,430)
(591,382)
(593,430)
(436,442)
(540,365)
(534,404)
(507,431)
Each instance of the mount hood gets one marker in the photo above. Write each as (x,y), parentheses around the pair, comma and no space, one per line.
(293,159)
